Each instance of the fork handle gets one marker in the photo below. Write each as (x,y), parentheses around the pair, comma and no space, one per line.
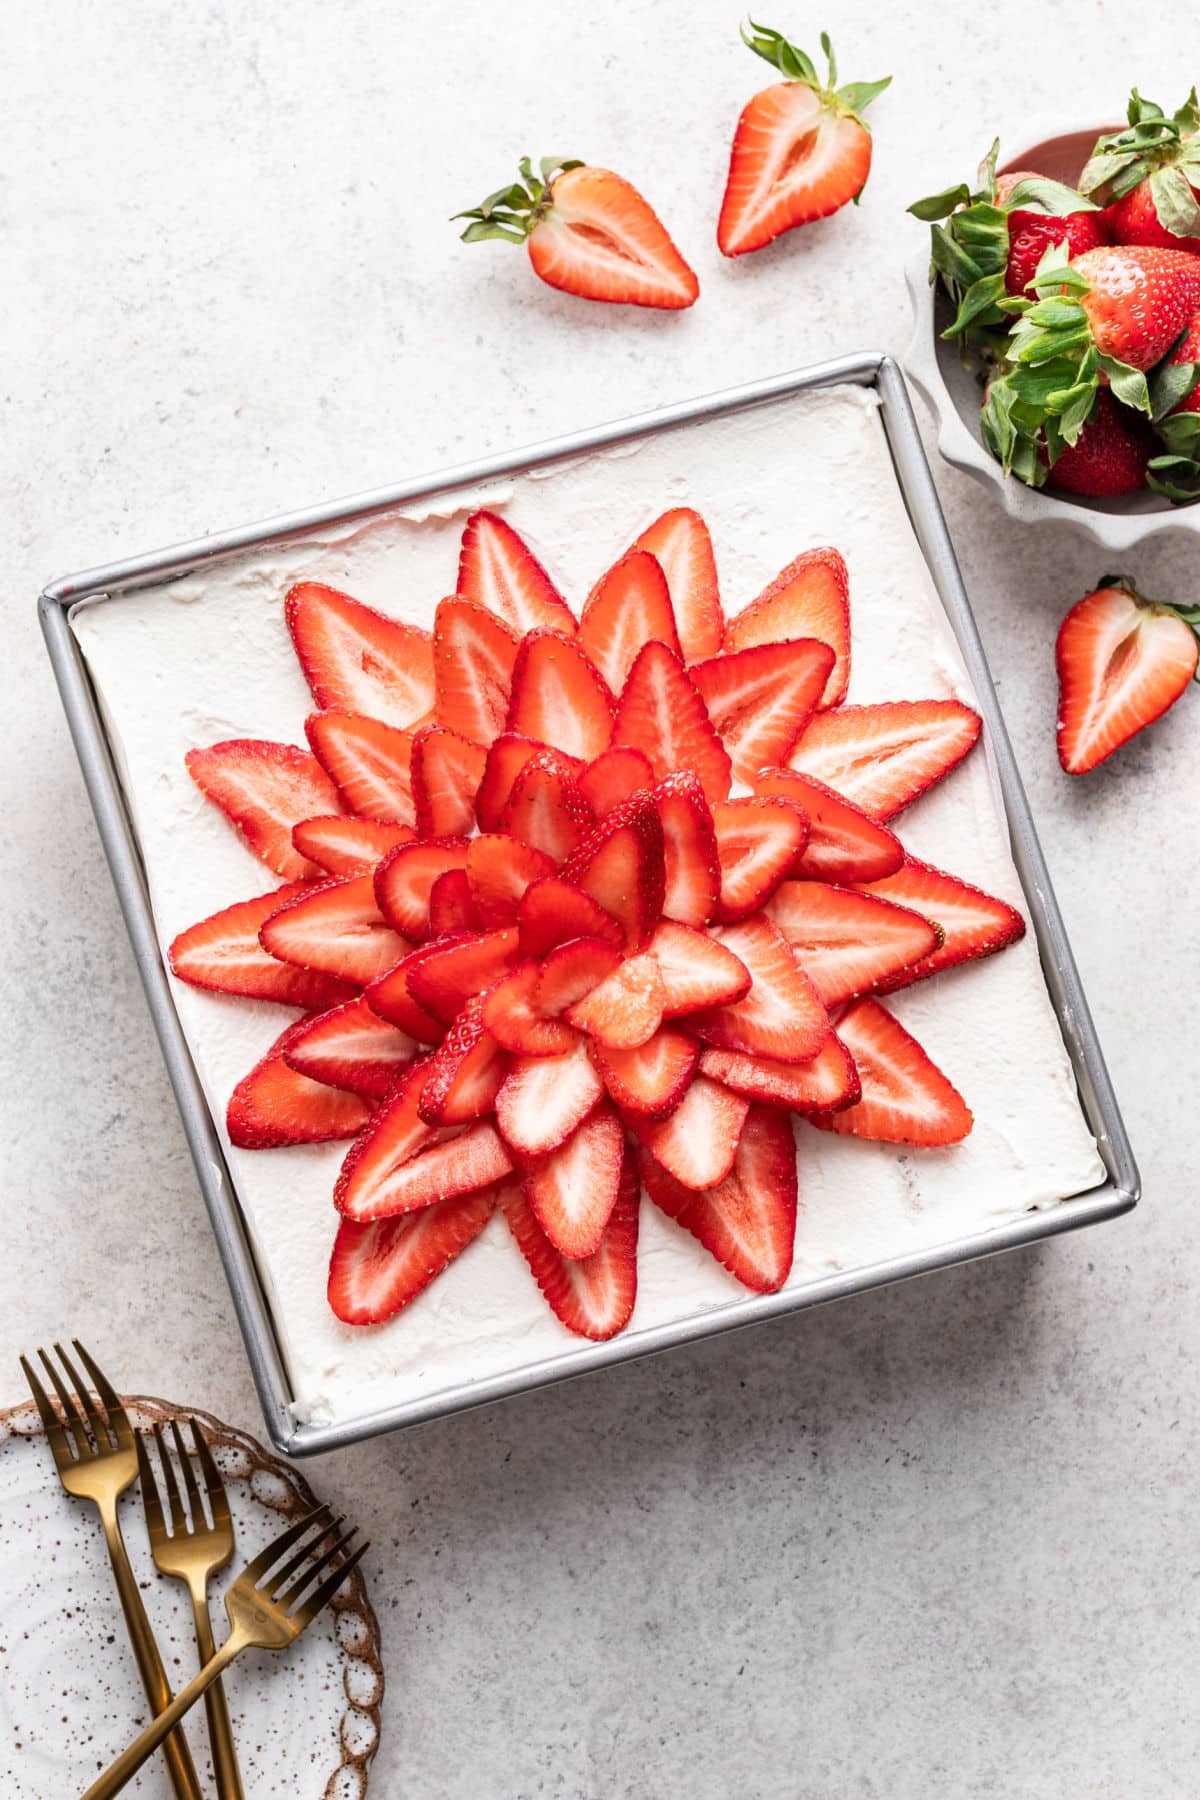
(131,1760)
(220,1731)
(178,1757)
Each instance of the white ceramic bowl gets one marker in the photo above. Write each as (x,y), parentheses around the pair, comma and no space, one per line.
(954,392)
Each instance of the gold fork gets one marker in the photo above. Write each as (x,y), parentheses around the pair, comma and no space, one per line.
(93,1450)
(192,1549)
(267,1610)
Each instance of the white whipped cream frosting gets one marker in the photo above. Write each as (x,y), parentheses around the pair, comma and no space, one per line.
(210,658)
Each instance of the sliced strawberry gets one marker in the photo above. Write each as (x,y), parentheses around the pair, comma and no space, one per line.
(378,1269)
(446,771)
(620,865)
(335,929)
(810,598)
(626,1008)
(848,942)
(498,571)
(356,660)
(443,979)
(506,758)
(758,840)
(499,870)
(761,698)
(465,1072)
(571,971)
(395,1135)
(451,907)
(613,776)
(692,867)
(696,970)
(781,1016)
(376,1185)
(973,923)
(680,542)
(844,843)
(275,1105)
(351,1047)
(370,762)
(881,757)
(574,1189)
(552,912)
(343,846)
(661,713)
(544,1099)
(628,607)
(1122,661)
(653,1077)
(698,1143)
(264,789)
(559,697)
(473,657)
(599,239)
(905,1097)
(224,953)
(748,1220)
(516,1020)
(546,808)
(405,878)
(390,998)
(592,1295)
(826,1083)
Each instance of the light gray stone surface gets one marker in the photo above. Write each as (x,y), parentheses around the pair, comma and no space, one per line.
(941,1541)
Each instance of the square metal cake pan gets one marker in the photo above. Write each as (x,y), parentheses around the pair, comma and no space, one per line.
(1117,1194)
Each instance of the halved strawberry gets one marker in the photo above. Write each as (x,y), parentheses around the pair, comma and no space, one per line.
(748,1220)
(443,980)
(574,1189)
(376,1186)
(620,865)
(336,929)
(653,1077)
(356,660)
(848,942)
(613,776)
(451,907)
(446,771)
(592,1295)
(499,870)
(343,846)
(465,1072)
(905,1097)
(544,1099)
(758,840)
(696,970)
(351,1047)
(692,868)
(223,953)
(264,789)
(371,763)
(680,541)
(377,1269)
(552,912)
(275,1105)
(390,998)
(1122,661)
(473,657)
(973,923)
(781,1016)
(844,843)
(697,1144)
(660,712)
(626,1008)
(826,1083)
(559,697)
(761,698)
(882,757)
(406,875)
(498,571)
(546,808)
(628,607)
(810,598)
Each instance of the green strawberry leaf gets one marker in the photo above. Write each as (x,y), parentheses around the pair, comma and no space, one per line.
(1175,202)
(1129,385)
(978,305)
(940,206)
(1170,385)
(1039,194)
(856,96)
(774,48)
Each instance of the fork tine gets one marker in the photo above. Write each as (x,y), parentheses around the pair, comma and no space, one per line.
(304,1615)
(304,1554)
(306,1577)
(178,1521)
(72,1417)
(151,1500)
(195,1504)
(214,1485)
(56,1437)
(95,1417)
(117,1418)
(275,1550)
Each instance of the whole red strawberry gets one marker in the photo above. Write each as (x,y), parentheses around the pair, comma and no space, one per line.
(1134,220)
(1110,456)
(1147,177)
(1138,300)
(1031,234)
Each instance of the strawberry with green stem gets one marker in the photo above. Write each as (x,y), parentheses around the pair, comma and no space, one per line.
(1147,177)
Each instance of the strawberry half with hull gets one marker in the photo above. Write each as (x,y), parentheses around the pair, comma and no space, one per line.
(588,232)
(801,150)
(1122,661)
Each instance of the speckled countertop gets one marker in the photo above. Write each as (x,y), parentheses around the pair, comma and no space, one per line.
(940,1541)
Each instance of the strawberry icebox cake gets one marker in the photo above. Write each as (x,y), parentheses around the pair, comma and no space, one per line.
(588,902)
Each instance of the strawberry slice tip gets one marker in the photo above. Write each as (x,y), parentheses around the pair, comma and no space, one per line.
(905,1097)
(377,1269)
(274,1105)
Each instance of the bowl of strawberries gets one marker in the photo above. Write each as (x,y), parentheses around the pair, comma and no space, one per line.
(1057,332)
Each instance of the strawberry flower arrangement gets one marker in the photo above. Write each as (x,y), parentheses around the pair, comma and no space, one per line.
(573,908)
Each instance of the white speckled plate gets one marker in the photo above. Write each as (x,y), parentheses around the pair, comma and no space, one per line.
(306,1721)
